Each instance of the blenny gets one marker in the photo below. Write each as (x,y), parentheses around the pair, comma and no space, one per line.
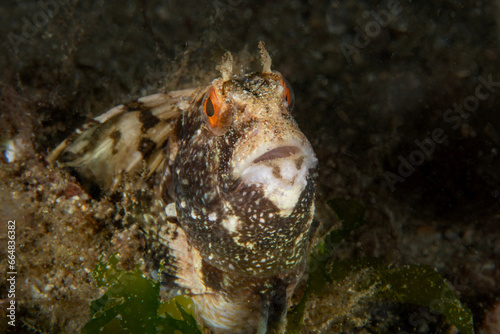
(235,180)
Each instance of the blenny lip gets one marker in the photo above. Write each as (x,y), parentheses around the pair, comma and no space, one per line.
(271,153)
(280,169)
(277,153)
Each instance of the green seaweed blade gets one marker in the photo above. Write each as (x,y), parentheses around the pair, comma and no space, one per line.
(131,305)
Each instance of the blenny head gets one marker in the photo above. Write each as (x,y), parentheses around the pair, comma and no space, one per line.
(244,174)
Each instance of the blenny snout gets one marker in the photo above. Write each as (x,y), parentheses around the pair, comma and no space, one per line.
(280,170)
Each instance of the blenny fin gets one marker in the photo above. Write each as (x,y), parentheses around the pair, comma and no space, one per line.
(265,58)
(226,66)
(127,138)
(184,261)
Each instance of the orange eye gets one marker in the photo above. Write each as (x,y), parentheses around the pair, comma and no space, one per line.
(288,93)
(212,106)
(216,114)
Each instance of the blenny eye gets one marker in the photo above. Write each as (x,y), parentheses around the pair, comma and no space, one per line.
(209,107)
(288,93)
(212,105)
(216,114)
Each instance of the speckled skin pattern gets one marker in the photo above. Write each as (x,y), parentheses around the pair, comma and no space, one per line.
(251,242)
(234,225)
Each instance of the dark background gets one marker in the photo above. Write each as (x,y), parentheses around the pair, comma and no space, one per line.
(361,112)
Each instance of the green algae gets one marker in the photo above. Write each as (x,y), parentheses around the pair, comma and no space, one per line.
(131,304)
(423,285)
(414,284)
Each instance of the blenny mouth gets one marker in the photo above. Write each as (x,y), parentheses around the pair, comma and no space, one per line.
(278,153)
(281,171)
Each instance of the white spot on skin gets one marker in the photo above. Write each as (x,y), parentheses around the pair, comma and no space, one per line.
(231,224)
(212,216)
(249,245)
(10,152)
(170,210)
(183,105)
(183,204)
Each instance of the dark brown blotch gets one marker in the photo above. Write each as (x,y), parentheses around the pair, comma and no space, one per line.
(115,138)
(133,105)
(147,119)
(146,147)
(299,162)
(277,172)
(212,277)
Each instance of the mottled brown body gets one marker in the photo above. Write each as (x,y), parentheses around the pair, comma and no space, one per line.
(242,178)
(233,223)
